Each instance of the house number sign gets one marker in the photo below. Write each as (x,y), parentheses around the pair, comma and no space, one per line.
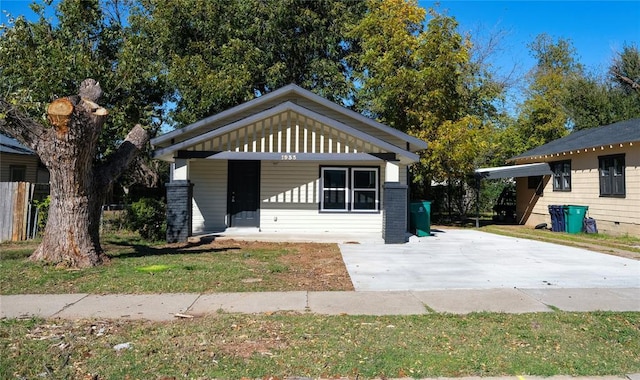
(288,157)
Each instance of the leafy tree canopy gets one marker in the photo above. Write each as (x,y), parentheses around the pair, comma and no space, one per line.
(217,54)
(49,58)
(418,76)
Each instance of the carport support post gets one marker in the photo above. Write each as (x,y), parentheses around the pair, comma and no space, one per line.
(478,179)
(179,195)
(394,223)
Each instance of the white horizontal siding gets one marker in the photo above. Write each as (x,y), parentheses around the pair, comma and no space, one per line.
(209,195)
(289,198)
(289,201)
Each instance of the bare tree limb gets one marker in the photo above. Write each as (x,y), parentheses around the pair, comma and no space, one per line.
(633,84)
(19,126)
(119,161)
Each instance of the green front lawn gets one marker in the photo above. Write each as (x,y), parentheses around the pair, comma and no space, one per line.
(233,346)
(138,266)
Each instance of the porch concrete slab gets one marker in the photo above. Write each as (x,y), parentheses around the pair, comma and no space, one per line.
(36,305)
(471,259)
(460,301)
(262,302)
(155,307)
(365,303)
(622,299)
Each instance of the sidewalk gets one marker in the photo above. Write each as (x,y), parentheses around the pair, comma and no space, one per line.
(166,307)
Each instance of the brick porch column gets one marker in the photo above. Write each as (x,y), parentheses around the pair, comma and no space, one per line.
(394,222)
(179,195)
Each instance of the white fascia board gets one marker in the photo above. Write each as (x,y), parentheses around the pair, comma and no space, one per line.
(289,89)
(355,115)
(224,114)
(286,106)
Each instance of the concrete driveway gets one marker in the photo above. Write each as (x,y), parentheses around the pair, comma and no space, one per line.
(469,259)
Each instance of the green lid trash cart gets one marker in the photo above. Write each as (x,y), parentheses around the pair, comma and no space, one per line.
(574,217)
(421,218)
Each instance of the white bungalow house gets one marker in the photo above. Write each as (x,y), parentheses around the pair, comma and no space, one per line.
(289,161)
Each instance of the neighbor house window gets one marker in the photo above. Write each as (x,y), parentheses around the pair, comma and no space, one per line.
(349,189)
(561,175)
(612,182)
(17,173)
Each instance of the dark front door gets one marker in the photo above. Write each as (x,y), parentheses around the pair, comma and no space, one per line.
(244,193)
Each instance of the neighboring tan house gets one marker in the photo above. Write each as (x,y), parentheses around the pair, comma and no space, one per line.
(597,167)
(19,163)
(289,161)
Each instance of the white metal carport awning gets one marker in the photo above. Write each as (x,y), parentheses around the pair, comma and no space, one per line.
(526,170)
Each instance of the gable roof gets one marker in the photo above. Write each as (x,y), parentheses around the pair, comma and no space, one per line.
(11,145)
(296,98)
(622,132)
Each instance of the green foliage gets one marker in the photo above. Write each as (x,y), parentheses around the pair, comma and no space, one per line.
(593,101)
(48,58)
(543,118)
(422,80)
(218,54)
(625,69)
(43,211)
(147,216)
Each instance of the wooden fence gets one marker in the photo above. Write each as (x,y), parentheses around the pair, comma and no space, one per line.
(18,216)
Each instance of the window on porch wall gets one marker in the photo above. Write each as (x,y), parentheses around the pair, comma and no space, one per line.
(349,189)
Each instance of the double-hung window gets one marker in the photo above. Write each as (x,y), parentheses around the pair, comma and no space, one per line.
(561,175)
(349,189)
(612,182)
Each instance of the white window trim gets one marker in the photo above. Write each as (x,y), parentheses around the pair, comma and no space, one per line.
(354,189)
(345,189)
(350,189)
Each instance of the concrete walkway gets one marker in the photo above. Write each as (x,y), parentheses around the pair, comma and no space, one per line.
(165,307)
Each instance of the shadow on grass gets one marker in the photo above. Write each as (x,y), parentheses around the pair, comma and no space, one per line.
(145,250)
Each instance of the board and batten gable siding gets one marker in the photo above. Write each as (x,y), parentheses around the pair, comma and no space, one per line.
(209,195)
(29,162)
(357,124)
(613,215)
(286,132)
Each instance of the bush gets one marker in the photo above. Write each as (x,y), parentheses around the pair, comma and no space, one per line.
(43,211)
(147,217)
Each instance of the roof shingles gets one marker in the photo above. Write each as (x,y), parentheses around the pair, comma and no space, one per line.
(618,133)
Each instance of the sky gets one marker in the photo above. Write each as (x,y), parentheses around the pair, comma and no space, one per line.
(597,29)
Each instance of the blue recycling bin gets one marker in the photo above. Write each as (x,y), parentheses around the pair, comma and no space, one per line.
(557,213)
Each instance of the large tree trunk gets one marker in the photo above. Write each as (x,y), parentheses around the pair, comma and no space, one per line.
(78,186)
